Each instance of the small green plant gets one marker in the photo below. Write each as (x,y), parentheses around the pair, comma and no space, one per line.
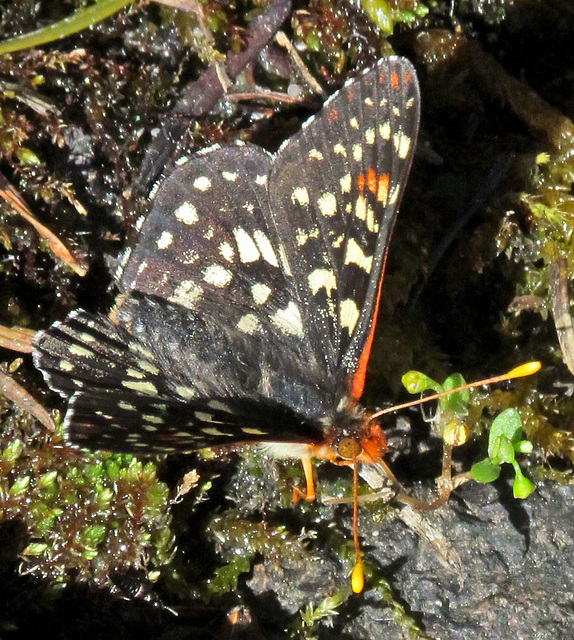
(306,626)
(505,434)
(456,402)
(386,14)
(504,442)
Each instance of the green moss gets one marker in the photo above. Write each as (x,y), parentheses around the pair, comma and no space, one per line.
(78,518)
(239,540)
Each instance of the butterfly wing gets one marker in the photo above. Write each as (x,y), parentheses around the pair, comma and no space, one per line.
(133,391)
(341,179)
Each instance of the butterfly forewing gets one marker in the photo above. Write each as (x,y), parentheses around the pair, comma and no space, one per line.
(341,179)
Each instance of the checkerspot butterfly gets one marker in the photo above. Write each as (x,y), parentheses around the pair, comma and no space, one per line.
(248,304)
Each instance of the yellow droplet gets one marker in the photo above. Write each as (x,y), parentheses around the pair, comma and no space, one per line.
(358,577)
(526,369)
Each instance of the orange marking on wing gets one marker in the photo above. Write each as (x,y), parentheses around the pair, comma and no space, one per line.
(358,380)
(332,116)
(395,80)
(408,77)
(361,181)
(372,181)
(383,188)
(351,94)
(382,78)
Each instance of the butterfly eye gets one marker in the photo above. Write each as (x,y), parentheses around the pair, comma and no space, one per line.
(348,448)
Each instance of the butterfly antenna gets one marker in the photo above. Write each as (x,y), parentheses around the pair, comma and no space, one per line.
(523,370)
(358,574)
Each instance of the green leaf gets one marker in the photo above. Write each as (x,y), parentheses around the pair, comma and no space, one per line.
(380,13)
(501,451)
(522,486)
(20,486)
(13,451)
(80,19)
(485,471)
(508,425)
(457,402)
(417,382)
(524,446)
(35,549)
(93,535)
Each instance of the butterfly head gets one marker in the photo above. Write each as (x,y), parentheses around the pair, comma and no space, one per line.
(357,438)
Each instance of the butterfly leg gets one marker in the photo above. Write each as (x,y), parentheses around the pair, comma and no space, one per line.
(309,494)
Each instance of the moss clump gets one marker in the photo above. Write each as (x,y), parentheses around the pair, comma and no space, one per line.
(86,516)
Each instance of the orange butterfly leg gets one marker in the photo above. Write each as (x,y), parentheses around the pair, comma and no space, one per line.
(309,494)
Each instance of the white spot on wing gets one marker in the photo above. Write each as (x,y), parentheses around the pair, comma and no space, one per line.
(260,293)
(217,275)
(328,204)
(226,251)
(322,279)
(141,387)
(248,251)
(78,350)
(361,207)
(402,144)
(266,248)
(165,240)
(289,320)
(385,130)
(212,431)
(346,183)
(187,393)
(203,183)
(349,314)
(187,213)
(300,196)
(187,293)
(217,405)
(249,323)
(189,257)
(354,254)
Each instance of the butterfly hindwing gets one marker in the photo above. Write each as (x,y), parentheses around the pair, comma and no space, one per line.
(136,423)
(137,392)
(206,243)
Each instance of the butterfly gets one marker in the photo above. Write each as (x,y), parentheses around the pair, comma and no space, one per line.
(247,306)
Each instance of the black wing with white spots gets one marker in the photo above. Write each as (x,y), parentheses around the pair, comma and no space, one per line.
(248,298)
(357,154)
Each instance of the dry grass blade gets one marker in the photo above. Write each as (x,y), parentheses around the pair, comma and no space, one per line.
(17,339)
(13,197)
(19,396)
(561,311)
